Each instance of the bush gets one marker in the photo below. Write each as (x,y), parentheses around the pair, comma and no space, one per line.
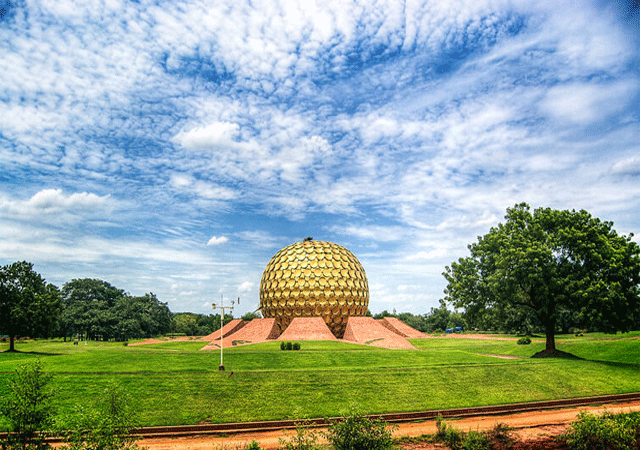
(604,432)
(501,434)
(524,341)
(497,438)
(254,445)
(304,439)
(357,432)
(28,407)
(475,441)
(289,346)
(448,435)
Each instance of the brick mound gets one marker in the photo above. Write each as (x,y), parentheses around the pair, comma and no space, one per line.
(253,332)
(368,331)
(307,329)
(399,327)
(227,330)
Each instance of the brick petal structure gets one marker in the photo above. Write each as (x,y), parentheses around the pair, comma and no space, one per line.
(255,331)
(366,330)
(398,326)
(307,329)
(227,330)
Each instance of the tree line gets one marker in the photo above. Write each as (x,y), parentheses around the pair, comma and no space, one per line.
(87,309)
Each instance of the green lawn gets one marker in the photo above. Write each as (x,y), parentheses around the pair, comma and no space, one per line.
(175,383)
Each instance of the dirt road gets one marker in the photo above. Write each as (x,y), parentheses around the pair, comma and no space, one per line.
(528,426)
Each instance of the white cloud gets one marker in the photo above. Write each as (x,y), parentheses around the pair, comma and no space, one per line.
(585,103)
(245,287)
(218,134)
(217,240)
(55,202)
(629,166)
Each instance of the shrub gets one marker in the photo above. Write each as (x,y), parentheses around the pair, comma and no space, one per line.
(448,435)
(475,441)
(283,346)
(304,439)
(604,432)
(254,445)
(524,341)
(296,346)
(28,407)
(502,434)
(357,432)
(289,346)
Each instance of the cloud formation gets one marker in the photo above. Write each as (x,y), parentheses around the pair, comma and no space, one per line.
(133,132)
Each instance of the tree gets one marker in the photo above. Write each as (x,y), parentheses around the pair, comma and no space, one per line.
(551,262)
(28,305)
(28,407)
(103,311)
(88,308)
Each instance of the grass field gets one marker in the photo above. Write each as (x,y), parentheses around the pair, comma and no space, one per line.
(175,383)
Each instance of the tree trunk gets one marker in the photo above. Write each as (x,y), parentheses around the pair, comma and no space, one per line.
(551,337)
(12,347)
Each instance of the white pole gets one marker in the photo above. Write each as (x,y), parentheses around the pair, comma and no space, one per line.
(221,325)
(222,308)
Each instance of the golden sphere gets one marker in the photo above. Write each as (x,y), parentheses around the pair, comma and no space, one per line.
(311,279)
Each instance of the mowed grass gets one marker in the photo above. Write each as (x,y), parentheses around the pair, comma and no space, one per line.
(175,383)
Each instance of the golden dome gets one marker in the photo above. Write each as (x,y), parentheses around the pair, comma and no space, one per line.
(314,278)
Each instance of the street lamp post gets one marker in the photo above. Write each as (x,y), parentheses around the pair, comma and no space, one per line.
(222,309)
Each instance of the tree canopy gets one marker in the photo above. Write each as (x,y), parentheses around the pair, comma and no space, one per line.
(98,310)
(555,265)
(29,306)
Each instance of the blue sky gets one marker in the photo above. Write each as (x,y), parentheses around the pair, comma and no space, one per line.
(175,146)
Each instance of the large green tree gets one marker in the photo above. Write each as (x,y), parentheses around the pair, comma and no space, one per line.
(551,262)
(88,308)
(29,306)
(102,311)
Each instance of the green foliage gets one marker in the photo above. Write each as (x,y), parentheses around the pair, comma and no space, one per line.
(251,316)
(524,341)
(289,346)
(357,432)
(99,310)
(451,436)
(107,426)
(558,266)
(475,441)
(304,439)
(604,432)
(498,437)
(28,305)
(28,407)
(501,434)
(253,445)
(191,324)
